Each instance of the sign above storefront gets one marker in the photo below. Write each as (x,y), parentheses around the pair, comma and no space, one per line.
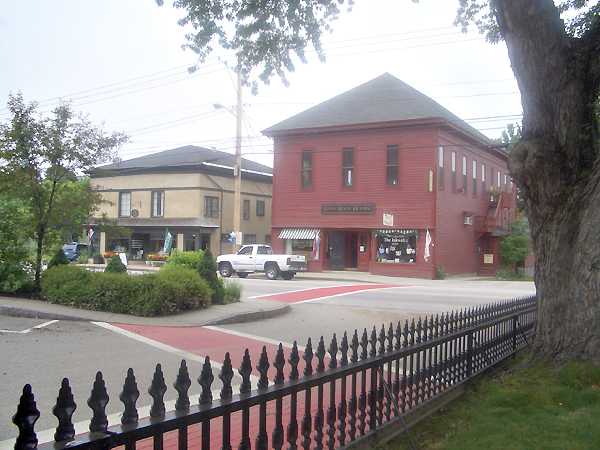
(349,208)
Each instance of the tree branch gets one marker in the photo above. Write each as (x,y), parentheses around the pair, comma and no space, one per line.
(589,44)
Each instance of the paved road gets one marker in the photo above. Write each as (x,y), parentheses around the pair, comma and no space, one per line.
(43,356)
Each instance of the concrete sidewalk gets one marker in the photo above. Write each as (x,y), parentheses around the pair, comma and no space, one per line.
(245,311)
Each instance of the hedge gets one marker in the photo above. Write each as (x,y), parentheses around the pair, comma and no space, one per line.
(155,294)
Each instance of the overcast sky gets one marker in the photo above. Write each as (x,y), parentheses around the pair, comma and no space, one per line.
(121,62)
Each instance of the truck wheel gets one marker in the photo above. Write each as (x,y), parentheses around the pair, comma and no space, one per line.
(287,275)
(242,274)
(225,270)
(272,272)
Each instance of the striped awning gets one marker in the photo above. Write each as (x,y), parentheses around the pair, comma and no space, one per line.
(299,233)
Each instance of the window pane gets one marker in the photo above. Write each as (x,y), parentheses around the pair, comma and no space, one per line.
(348,167)
(158,203)
(464,174)
(453,171)
(260,208)
(306,169)
(441,167)
(392,167)
(211,206)
(125,204)
(348,175)
(474,178)
(392,155)
(348,157)
(246,209)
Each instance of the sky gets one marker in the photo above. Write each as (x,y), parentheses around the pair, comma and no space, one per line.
(121,64)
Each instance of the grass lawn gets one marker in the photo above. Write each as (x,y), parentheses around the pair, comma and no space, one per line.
(540,406)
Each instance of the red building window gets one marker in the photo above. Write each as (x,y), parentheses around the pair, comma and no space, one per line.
(348,168)
(464,168)
(392,166)
(483,181)
(453,171)
(306,169)
(441,167)
(474,178)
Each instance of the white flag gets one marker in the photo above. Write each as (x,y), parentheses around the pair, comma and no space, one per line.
(427,244)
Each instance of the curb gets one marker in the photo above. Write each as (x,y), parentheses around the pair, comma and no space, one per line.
(245,317)
(33,314)
(251,316)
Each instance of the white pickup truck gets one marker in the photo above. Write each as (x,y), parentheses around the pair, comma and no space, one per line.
(260,258)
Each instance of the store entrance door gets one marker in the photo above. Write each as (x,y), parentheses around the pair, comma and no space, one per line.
(336,252)
(364,251)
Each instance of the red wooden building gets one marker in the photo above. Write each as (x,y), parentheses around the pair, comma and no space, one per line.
(384,179)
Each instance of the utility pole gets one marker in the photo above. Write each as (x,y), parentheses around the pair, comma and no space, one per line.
(237,170)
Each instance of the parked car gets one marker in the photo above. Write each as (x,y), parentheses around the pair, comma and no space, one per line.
(260,258)
(73,250)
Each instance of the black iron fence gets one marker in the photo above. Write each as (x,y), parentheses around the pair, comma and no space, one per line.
(346,393)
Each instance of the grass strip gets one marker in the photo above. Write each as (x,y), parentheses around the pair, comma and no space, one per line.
(541,405)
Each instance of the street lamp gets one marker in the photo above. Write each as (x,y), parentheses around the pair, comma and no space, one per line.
(237,169)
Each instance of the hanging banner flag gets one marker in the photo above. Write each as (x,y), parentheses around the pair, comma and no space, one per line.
(91,235)
(168,242)
(316,242)
(427,244)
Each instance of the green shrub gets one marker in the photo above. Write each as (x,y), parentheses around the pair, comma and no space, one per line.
(233,291)
(66,285)
(15,278)
(208,270)
(83,258)
(186,259)
(115,266)
(58,259)
(160,293)
(440,273)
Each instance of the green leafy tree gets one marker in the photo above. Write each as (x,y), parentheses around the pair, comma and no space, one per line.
(208,270)
(14,254)
(515,247)
(266,34)
(40,161)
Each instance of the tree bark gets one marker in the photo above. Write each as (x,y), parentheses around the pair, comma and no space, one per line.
(556,165)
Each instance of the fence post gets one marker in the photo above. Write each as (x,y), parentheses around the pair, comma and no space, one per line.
(469,354)
(515,323)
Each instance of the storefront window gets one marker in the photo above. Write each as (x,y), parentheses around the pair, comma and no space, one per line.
(396,246)
(303,247)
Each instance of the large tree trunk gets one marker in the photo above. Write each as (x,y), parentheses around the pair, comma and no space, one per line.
(556,166)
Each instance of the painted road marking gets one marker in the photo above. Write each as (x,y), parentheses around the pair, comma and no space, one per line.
(196,343)
(37,327)
(156,344)
(252,336)
(314,294)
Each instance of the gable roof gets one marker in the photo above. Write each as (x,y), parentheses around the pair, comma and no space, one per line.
(189,155)
(383,99)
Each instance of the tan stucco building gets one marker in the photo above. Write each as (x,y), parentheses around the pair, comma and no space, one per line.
(188,191)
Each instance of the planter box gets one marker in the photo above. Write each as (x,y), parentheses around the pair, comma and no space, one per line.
(155,263)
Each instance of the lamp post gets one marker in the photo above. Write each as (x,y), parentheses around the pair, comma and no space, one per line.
(237,168)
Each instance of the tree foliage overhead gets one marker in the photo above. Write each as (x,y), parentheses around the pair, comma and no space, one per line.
(267,34)
(41,160)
